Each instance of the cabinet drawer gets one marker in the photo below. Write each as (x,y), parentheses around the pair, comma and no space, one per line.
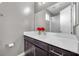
(29,39)
(41,45)
(68,53)
(56,49)
(61,51)
(52,53)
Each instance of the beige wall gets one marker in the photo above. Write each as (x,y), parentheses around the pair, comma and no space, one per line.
(55,23)
(12,25)
(65,20)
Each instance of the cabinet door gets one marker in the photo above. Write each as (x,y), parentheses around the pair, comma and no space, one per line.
(29,49)
(40,52)
(27,45)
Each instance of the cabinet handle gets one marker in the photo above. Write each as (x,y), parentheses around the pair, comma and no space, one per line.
(55,52)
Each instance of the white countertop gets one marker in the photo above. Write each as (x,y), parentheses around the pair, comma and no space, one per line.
(62,40)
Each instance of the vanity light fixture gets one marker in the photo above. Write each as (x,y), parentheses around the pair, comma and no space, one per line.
(47,17)
(27,10)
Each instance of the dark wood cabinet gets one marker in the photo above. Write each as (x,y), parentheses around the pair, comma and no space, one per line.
(29,49)
(40,52)
(34,47)
(69,53)
(56,50)
(61,52)
(31,53)
(53,54)
(41,45)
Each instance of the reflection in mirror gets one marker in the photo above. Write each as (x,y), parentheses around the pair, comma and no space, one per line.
(60,17)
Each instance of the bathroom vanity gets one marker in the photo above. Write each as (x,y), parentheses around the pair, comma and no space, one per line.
(51,44)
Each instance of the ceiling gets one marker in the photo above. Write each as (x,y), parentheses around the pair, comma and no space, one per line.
(42,7)
(56,8)
(53,8)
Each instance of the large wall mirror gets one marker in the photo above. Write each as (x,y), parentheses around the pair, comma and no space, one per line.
(60,17)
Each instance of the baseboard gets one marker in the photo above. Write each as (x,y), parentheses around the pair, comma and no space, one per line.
(22,54)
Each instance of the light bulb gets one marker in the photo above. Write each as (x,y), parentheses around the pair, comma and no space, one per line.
(27,10)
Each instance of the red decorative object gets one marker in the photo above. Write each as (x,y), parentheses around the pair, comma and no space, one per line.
(40,29)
